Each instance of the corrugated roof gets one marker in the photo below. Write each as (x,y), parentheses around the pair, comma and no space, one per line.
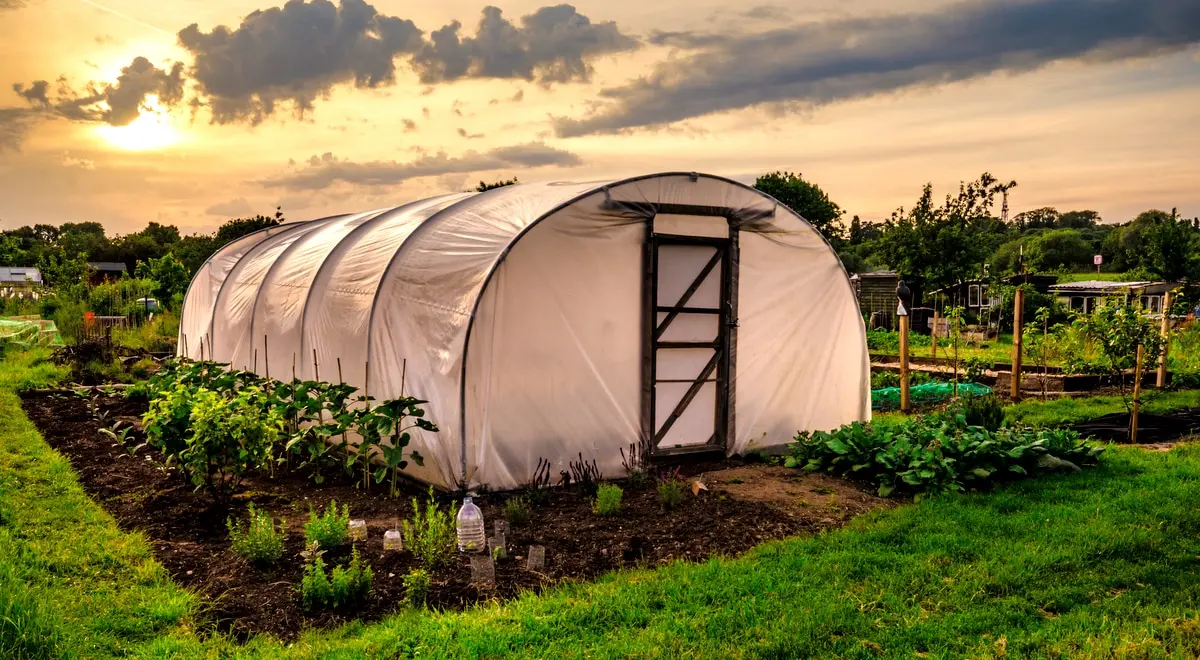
(1097,285)
(20,274)
(107,266)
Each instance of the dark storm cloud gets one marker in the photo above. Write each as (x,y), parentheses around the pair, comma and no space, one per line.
(816,63)
(553,44)
(295,53)
(325,170)
(14,124)
(116,103)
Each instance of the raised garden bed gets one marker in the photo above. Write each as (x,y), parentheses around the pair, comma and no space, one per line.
(740,509)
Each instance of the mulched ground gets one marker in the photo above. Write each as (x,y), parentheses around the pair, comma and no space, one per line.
(1151,428)
(743,506)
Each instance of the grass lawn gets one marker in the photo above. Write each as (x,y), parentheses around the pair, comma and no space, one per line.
(1101,564)
(1073,410)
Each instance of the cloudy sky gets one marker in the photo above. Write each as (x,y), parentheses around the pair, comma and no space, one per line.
(193,111)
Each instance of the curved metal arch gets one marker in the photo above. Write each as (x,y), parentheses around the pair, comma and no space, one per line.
(257,247)
(318,225)
(368,224)
(602,187)
(283,227)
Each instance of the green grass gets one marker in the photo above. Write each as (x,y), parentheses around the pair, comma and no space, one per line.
(71,583)
(1073,410)
(1095,565)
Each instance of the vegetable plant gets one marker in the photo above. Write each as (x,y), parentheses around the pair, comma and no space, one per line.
(257,539)
(229,439)
(938,453)
(608,500)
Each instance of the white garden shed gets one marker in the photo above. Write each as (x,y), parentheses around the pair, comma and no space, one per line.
(549,320)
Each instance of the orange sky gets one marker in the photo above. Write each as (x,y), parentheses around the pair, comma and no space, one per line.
(1111,128)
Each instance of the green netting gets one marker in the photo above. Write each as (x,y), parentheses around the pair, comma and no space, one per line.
(930,393)
(28,333)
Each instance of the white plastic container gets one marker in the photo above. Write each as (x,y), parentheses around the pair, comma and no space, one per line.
(472,533)
(392,540)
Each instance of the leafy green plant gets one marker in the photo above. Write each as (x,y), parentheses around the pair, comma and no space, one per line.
(670,493)
(1118,330)
(387,420)
(168,421)
(431,533)
(516,510)
(315,588)
(351,583)
(416,587)
(608,500)
(985,411)
(330,529)
(938,453)
(257,539)
(230,438)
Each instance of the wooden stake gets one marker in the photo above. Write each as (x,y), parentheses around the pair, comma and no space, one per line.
(905,402)
(933,336)
(1166,335)
(293,367)
(1137,394)
(255,368)
(266,359)
(403,375)
(201,350)
(339,365)
(316,371)
(367,384)
(1018,319)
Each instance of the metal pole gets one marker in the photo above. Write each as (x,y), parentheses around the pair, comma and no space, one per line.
(1166,336)
(905,403)
(1018,319)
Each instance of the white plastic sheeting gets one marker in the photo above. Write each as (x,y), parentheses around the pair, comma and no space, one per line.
(519,314)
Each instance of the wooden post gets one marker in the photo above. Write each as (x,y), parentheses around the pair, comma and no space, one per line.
(1018,320)
(905,402)
(293,367)
(339,365)
(316,371)
(266,359)
(933,336)
(255,362)
(1166,336)
(1137,394)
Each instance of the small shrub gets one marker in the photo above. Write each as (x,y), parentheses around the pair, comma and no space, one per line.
(974,369)
(670,494)
(608,500)
(351,583)
(416,587)
(516,510)
(331,530)
(985,411)
(315,588)
(344,586)
(431,535)
(257,539)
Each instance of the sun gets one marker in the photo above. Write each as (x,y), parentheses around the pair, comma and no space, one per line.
(151,130)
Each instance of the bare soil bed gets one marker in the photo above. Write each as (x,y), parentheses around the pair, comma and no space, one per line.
(1151,428)
(744,505)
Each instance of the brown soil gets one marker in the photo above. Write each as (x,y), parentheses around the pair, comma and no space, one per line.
(743,506)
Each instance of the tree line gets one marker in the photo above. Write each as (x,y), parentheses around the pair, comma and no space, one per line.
(968,235)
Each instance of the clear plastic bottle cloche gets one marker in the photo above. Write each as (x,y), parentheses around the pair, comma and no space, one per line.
(472,533)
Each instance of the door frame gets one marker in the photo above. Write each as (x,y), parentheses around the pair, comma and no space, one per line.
(725,343)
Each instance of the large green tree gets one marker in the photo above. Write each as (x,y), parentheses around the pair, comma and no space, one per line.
(808,200)
(1171,248)
(933,246)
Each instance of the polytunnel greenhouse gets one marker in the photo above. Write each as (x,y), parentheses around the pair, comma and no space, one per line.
(686,312)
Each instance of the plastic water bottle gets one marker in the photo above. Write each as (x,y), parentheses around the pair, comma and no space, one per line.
(472,534)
